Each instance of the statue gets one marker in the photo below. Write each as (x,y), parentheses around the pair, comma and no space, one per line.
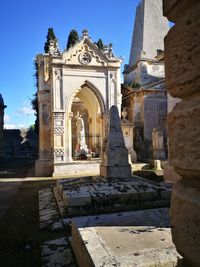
(53,48)
(81,146)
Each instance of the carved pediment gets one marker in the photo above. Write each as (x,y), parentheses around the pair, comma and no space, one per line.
(85,53)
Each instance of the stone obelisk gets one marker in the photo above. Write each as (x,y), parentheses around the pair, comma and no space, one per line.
(115,154)
(149,31)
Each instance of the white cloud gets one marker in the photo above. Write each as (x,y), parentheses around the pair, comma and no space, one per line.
(7,118)
(25,111)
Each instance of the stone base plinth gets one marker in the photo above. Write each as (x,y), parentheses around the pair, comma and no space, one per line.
(115,171)
(76,168)
(43,168)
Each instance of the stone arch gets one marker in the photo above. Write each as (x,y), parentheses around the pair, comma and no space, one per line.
(93,89)
(90,95)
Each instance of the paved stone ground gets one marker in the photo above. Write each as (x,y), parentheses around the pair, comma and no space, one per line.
(19,232)
(136,238)
(20,237)
(57,253)
(81,194)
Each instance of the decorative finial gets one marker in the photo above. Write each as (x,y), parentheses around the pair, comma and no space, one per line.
(124,113)
(85,33)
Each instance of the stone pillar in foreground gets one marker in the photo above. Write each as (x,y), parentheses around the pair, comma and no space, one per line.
(182,58)
(43,166)
(115,154)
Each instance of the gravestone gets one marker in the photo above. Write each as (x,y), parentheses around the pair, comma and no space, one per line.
(115,154)
(127,129)
(158,144)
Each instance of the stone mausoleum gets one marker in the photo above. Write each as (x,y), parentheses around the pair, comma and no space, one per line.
(78,86)
(76,89)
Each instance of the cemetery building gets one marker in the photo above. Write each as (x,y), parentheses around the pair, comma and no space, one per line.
(76,89)
(144,93)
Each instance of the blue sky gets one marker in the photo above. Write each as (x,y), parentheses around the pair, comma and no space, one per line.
(24,26)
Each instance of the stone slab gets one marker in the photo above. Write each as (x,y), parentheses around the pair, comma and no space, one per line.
(57,253)
(139,238)
(76,198)
(48,211)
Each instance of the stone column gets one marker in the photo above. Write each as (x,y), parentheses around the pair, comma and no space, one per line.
(182,57)
(59,131)
(44,166)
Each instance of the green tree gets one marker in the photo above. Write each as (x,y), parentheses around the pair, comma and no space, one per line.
(73,38)
(34,101)
(100,44)
(50,36)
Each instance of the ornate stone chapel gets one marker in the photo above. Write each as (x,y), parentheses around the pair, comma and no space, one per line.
(76,89)
(78,86)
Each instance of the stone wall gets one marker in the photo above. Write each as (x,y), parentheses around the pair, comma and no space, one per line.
(155,111)
(17,144)
(182,53)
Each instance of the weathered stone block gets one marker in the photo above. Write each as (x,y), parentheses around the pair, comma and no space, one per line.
(76,198)
(174,9)
(43,168)
(116,171)
(170,174)
(184,138)
(185,219)
(181,50)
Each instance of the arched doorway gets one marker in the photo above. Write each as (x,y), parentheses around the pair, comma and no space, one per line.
(86,108)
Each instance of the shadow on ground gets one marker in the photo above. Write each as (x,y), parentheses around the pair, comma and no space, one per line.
(20,237)
(17,168)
